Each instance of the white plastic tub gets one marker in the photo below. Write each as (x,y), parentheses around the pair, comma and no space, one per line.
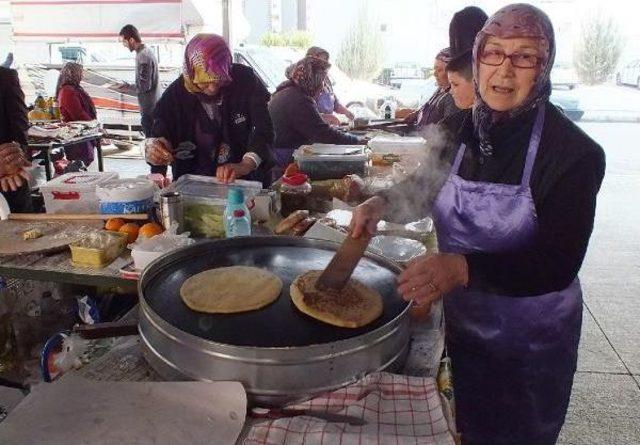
(123,196)
(383,144)
(74,192)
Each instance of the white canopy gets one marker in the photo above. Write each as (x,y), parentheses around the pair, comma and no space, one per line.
(95,19)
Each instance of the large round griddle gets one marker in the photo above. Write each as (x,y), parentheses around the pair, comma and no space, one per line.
(280,324)
(279,354)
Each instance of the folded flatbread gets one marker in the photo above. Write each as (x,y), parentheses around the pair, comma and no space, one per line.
(227,290)
(356,305)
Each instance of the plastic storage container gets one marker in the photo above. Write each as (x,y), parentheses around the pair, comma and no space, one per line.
(126,196)
(74,192)
(98,250)
(204,200)
(397,145)
(321,161)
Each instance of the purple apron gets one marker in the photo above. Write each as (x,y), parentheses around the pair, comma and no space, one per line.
(326,102)
(513,358)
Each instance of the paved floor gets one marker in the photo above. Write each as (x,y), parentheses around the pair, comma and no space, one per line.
(605,405)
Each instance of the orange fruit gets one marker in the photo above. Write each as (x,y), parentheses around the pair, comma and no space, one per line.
(150,230)
(114,224)
(131,229)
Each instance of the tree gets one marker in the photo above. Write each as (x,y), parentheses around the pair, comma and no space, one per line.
(294,39)
(361,51)
(598,50)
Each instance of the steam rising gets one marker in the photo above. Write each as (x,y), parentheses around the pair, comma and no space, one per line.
(412,199)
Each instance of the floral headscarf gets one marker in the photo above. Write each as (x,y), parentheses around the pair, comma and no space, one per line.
(444,55)
(310,74)
(513,21)
(207,59)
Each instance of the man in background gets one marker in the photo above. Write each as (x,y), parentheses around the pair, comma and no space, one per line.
(147,86)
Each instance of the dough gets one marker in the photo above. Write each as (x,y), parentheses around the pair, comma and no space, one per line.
(355,306)
(227,290)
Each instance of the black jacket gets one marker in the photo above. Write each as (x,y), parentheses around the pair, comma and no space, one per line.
(565,180)
(297,121)
(13,128)
(13,112)
(245,123)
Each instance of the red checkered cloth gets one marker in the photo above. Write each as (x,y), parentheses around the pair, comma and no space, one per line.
(397,409)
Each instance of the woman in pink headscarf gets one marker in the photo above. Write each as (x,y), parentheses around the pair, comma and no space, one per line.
(513,213)
(212,120)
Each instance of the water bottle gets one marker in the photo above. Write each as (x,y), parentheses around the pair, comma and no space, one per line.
(237,219)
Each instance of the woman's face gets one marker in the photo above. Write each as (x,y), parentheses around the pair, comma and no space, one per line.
(461,90)
(505,87)
(440,73)
(210,89)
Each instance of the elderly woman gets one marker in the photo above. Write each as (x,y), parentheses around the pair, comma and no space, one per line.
(75,105)
(213,119)
(296,118)
(513,218)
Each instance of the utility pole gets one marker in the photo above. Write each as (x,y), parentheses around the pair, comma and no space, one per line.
(302,15)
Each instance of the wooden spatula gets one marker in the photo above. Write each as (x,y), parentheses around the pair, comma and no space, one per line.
(342,265)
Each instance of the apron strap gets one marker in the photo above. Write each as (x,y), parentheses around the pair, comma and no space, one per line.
(456,164)
(534,143)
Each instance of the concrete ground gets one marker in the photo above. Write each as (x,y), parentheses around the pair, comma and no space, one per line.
(605,405)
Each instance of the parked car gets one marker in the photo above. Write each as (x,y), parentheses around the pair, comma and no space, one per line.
(564,75)
(567,103)
(270,64)
(629,74)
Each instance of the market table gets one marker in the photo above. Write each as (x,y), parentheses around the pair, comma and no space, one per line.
(58,268)
(47,147)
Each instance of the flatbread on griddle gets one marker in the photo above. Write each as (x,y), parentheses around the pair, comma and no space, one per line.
(355,306)
(228,290)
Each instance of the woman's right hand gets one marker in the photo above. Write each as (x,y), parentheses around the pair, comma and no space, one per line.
(157,151)
(366,216)
(13,159)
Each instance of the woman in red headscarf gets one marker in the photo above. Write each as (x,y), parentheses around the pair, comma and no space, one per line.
(212,120)
(75,105)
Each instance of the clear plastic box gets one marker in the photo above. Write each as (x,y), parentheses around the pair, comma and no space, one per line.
(74,192)
(324,161)
(204,199)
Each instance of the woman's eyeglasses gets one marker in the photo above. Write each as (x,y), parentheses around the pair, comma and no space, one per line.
(497,58)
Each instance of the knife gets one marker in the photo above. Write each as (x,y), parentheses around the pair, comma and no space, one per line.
(343,263)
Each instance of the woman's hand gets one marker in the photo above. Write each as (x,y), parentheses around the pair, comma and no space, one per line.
(366,216)
(157,151)
(429,277)
(12,182)
(411,117)
(12,159)
(228,173)
(330,119)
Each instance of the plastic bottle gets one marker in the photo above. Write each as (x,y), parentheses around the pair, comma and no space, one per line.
(237,219)
(388,109)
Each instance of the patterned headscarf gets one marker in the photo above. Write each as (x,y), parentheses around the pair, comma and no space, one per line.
(513,21)
(71,75)
(207,59)
(316,51)
(310,74)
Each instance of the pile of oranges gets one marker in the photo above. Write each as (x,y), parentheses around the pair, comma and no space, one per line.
(133,230)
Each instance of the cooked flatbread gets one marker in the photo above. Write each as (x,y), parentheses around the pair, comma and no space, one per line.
(353,307)
(227,290)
